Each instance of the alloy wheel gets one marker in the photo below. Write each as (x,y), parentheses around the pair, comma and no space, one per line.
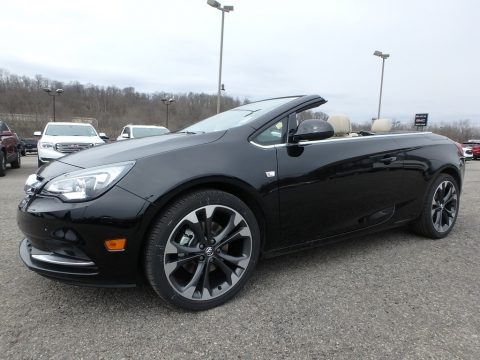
(444,206)
(208,252)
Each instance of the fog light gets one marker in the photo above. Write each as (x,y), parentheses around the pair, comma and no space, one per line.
(115,244)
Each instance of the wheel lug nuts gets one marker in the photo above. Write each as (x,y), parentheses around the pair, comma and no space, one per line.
(202,246)
(202,258)
(218,250)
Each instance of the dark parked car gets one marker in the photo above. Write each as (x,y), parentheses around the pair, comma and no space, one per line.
(193,211)
(10,151)
(30,145)
(21,146)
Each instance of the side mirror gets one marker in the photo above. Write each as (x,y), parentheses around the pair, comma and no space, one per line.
(103,136)
(125,136)
(37,133)
(311,130)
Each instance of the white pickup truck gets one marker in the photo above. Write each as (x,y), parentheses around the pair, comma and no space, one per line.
(63,138)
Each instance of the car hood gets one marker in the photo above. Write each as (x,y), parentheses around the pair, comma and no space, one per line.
(72,139)
(133,149)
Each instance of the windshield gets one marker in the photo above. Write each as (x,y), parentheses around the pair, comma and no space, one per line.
(139,132)
(70,130)
(238,116)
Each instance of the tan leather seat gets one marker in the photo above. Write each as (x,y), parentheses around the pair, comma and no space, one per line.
(382,125)
(341,124)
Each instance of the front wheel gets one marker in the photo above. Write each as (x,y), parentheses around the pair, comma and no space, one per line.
(202,249)
(440,208)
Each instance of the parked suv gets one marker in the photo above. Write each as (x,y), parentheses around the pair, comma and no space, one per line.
(474,145)
(63,138)
(10,152)
(139,131)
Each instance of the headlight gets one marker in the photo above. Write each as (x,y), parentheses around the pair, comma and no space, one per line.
(45,145)
(87,184)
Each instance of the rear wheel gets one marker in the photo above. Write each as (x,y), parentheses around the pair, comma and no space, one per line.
(202,249)
(3,163)
(18,162)
(440,208)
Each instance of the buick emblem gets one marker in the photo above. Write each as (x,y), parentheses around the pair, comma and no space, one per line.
(209,251)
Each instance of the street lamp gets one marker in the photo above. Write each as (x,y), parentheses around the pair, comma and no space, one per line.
(167,102)
(383,56)
(224,9)
(53,95)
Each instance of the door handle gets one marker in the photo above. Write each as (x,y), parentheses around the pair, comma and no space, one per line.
(388,160)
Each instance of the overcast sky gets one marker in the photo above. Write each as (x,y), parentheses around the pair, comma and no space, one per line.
(271,48)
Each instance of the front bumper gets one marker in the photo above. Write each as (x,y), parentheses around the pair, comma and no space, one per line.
(63,268)
(46,155)
(65,241)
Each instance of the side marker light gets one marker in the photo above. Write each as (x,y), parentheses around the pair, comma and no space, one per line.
(115,244)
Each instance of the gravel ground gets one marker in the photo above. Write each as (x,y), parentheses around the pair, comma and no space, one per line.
(391,295)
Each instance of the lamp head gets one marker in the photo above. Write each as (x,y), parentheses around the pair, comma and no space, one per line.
(47,90)
(214,3)
(228,8)
(380,54)
(59,91)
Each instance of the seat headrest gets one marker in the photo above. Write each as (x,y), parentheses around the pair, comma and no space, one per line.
(341,124)
(382,125)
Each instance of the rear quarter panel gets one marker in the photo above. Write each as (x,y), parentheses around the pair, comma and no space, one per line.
(426,155)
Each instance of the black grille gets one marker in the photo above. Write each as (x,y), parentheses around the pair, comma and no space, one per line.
(68,148)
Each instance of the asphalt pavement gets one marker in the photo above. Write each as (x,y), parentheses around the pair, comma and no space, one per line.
(392,295)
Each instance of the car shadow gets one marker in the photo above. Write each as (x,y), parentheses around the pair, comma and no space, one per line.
(105,301)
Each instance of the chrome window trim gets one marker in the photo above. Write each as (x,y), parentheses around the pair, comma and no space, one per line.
(334,140)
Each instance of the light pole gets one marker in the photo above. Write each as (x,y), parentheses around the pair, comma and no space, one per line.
(383,56)
(167,102)
(53,95)
(224,9)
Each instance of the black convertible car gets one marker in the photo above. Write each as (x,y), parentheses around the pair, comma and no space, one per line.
(193,211)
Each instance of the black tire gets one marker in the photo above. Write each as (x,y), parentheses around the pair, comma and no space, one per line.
(24,153)
(3,164)
(202,249)
(440,208)
(17,163)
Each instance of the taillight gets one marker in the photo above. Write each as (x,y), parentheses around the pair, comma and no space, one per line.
(459,149)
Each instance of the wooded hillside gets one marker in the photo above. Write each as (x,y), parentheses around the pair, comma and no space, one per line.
(26,107)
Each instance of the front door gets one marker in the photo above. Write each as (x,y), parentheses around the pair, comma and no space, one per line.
(337,185)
